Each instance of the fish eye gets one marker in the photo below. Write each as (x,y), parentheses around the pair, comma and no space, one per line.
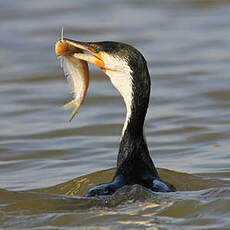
(97,49)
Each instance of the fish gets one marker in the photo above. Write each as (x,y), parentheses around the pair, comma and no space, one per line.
(77,71)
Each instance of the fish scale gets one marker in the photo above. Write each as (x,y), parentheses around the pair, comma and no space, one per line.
(78,73)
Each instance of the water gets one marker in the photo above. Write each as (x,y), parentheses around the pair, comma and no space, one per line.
(186,44)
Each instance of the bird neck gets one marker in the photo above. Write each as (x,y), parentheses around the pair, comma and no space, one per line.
(138,104)
(132,138)
(133,157)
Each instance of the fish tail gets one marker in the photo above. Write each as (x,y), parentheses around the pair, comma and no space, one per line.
(74,105)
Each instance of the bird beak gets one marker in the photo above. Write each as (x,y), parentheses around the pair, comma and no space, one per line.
(65,47)
(77,54)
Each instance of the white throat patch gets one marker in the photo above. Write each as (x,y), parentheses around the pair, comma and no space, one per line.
(119,73)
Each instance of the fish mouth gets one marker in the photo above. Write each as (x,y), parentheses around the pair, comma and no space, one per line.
(68,47)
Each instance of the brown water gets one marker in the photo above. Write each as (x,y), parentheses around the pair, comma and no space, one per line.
(187,46)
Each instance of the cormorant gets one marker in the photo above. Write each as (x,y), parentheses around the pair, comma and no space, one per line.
(127,69)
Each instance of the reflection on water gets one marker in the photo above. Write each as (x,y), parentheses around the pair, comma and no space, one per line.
(187,128)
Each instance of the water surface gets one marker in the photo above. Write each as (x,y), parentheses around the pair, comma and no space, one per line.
(186,44)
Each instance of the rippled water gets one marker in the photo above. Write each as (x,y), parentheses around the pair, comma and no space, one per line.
(187,46)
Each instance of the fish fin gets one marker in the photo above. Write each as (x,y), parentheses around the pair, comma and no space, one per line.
(62,33)
(75,106)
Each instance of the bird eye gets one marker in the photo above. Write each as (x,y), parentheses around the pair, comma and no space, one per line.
(97,49)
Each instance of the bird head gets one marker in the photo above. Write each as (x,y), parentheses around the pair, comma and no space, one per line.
(122,63)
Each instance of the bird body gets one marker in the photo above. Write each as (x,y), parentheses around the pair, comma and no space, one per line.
(127,69)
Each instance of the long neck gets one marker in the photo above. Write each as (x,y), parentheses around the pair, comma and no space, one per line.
(133,153)
(132,134)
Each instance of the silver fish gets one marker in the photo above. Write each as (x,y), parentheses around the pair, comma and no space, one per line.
(77,71)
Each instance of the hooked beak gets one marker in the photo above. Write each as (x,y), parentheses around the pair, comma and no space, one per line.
(67,47)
